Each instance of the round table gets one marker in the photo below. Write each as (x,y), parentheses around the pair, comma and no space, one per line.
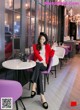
(17,64)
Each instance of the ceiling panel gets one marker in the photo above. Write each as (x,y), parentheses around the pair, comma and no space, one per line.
(74,4)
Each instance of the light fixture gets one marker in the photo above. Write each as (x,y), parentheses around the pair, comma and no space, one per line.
(29,13)
(18,16)
(5,22)
(27,5)
(70,12)
(65,11)
(10,3)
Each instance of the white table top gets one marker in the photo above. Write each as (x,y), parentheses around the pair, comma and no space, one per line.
(17,64)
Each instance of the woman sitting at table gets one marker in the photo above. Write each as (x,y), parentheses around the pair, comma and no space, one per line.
(42,53)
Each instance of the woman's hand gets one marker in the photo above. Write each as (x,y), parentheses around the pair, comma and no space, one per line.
(52,47)
(44,63)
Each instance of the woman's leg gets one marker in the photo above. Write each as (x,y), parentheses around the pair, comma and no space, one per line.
(41,90)
(40,86)
(36,73)
(37,77)
(34,86)
(42,98)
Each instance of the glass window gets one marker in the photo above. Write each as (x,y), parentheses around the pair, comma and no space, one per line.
(39,18)
(47,19)
(17,24)
(32,26)
(43,2)
(9,4)
(39,1)
(42,19)
(53,24)
(17,5)
(32,21)
(12,24)
(30,13)
(27,8)
(8,20)
(8,27)
(16,18)
(8,34)
(28,26)
(49,24)
(32,9)
(47,6)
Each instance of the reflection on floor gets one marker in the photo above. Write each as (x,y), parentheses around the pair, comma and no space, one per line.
(61,90)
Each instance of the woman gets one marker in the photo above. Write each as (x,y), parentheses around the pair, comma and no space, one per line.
(42,53)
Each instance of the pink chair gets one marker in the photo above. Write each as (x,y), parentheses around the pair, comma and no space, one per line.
(13,89)
(46,74)
(53,62)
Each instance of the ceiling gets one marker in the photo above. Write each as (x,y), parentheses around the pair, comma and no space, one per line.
(74,4)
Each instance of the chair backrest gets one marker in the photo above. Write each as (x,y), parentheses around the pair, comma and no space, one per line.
(66,51)
(31,56)
(9,88)
(60,52)
(70,47)
(53,62)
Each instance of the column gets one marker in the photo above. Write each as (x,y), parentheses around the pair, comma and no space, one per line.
(2,31)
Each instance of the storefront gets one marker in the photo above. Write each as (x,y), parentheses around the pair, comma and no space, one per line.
(25,19)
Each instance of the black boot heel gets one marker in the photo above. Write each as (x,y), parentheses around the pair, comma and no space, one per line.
(33,93)
(45,105)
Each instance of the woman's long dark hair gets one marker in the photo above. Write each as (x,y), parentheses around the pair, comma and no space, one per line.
(39,44)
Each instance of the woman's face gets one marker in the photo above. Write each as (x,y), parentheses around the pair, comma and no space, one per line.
(42,40)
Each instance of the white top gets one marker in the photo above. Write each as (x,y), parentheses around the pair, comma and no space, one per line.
(42,54)
(17,64)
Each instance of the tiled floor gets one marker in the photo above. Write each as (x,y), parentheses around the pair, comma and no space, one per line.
(61,90)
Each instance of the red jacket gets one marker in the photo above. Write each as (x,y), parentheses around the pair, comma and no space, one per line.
(8,47)
(48,53)
(8,50)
